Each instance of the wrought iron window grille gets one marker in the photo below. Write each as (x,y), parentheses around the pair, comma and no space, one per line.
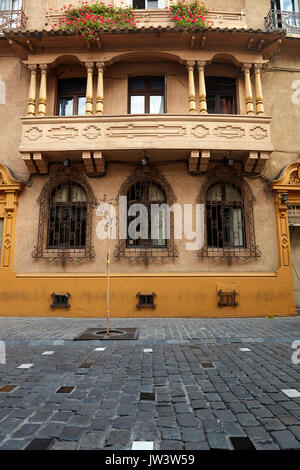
(146,300)
(60,301)
(280,19)
(65,219)
(229,232)
(148,250)
(227,299)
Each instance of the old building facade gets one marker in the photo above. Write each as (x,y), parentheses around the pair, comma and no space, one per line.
(209,117)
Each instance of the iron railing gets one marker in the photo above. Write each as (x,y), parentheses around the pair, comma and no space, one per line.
(280,19)
(12,19)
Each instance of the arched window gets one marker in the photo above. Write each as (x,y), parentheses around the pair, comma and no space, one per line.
(65,220)
(149,225)
(67,217)
(229,222)
(225,217)
(153,234)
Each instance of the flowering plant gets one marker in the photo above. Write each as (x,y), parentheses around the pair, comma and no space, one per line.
(189,15)
(89,18)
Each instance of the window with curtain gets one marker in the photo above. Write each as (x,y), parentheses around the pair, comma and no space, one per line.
(67,217)
(146,95)
(148,4)
(71,97)
(221,95)
(148,193)
(229,218)
(10,4)
(225,217)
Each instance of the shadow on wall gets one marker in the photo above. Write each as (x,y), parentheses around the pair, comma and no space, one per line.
(2,92)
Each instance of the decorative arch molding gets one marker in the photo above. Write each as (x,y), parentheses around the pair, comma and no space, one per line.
(10,188)
(63,255)
(149,173)
(226,175)
(230,254)
(288,183)
(158,55)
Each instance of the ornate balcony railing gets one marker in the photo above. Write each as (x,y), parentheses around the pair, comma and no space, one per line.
(279,19)
(12,19)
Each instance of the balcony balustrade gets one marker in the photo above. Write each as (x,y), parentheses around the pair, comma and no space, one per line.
(279,19)
(12,19)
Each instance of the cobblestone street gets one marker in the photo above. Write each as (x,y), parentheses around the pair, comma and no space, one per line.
(184,384)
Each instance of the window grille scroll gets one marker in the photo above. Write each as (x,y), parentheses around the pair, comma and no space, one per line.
(65,219)
(147,251)
(229,232)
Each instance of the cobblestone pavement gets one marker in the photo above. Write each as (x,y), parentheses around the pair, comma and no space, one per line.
(169,396)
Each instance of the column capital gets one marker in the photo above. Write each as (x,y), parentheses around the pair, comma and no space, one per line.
(44,67)
(201,64)
(89,66)
(246,67)
(190,64)
(32,67)
(100,65)
(258,67)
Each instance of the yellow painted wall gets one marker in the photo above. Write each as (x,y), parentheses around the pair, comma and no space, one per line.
(186,295)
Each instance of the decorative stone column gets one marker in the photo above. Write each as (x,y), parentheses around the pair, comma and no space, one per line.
(43,90)
(100,91)
(248,89)
(258,90)
(89,88)
(32,91)
(202,88)
(283,231)
(192,94)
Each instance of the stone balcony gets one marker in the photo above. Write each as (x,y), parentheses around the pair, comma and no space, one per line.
(159,17)
(96,138)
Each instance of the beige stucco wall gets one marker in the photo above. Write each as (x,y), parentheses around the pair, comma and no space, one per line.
(186,189)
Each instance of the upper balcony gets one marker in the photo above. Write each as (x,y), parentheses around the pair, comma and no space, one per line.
(158,17)
(280,19)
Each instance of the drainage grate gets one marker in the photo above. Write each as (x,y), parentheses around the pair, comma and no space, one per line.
(39,444)
(65,390)
(147,396)
(8,388)
(207,365)
(86,365)
(242,443)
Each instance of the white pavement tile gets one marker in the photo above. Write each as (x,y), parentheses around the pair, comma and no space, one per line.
(142,445)
(25,366)
(99,349)
(48,353)
(244,349)
(292,393)
(148,350)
